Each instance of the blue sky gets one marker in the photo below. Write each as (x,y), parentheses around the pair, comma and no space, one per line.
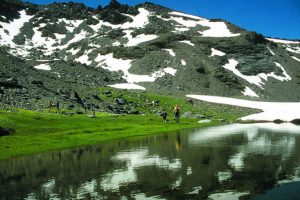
(275,18)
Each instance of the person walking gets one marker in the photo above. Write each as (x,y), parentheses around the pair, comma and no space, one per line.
(50,106)
(177,113)
(57,106)
(164,115)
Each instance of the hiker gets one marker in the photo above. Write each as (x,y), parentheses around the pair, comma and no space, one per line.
(164,115)
(49,106)
(176,113)
(94,111)
(57,107)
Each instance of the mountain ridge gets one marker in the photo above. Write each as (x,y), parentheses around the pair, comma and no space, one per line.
(147,47)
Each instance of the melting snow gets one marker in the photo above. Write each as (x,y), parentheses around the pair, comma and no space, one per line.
(187,42)
(293,49)
(59,36)
(283,41)
(78,37)
(170,70)
(113,64)
(171,52)
(71,24)
(249,92)
(257,80)
(13,28)
(43,67)
(74,51)
(180,29)
(286,111)
(216,29)
(215,52)
(139,39)
(186,15)
(271,51)
(129,86)
(294,57)
(84,59)
(138,21)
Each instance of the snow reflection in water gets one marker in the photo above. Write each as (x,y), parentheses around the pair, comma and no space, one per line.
(225,162)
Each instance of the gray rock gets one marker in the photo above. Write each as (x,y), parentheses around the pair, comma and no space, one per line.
(6,131)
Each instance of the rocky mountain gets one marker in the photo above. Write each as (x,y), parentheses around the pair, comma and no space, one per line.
(68,50)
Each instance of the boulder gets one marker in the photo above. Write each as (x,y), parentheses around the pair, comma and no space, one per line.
(120,101)
(6,131)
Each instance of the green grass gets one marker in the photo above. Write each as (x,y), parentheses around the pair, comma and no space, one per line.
(38,132)
(43,131)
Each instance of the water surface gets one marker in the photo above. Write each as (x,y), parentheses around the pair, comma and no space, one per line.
(257,161)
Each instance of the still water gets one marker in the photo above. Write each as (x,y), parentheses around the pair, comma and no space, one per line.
(258,161)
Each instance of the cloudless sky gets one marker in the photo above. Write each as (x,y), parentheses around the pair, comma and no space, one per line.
(274,18)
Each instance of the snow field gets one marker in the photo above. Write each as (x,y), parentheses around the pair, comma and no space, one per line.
(258,79)
(286,111)
(43,67)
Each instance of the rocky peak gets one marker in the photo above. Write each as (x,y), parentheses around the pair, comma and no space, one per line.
(10,9)
(68,10)
(113,13)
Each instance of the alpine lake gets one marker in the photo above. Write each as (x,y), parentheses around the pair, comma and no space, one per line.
(235,161)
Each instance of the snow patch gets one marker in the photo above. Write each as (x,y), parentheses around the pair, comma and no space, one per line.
(286,111)
(187,42)
(249,92)
(180,29)
(129,86)
(295,58)
(13,28)
(84,59)
(138,21)
(73,51)
(293,49)
(257,80)
(82,35)
(138,39)
(113,64)
(251,79)
(271,51)
(43,67)
(170,70)
(216,29)
(215,52)
(186,15)
(171,52)
(283,41)
(183,62)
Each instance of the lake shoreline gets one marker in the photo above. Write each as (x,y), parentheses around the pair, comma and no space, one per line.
(38,132)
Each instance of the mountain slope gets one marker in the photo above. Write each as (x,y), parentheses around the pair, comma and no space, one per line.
(68,47)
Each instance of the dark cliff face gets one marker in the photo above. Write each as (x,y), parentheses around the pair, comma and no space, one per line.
(10,9)
(79,45)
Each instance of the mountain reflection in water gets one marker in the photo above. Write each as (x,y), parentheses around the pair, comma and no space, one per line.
(249,161)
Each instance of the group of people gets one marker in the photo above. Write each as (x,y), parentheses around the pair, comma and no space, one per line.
(164,114)
(176,112)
